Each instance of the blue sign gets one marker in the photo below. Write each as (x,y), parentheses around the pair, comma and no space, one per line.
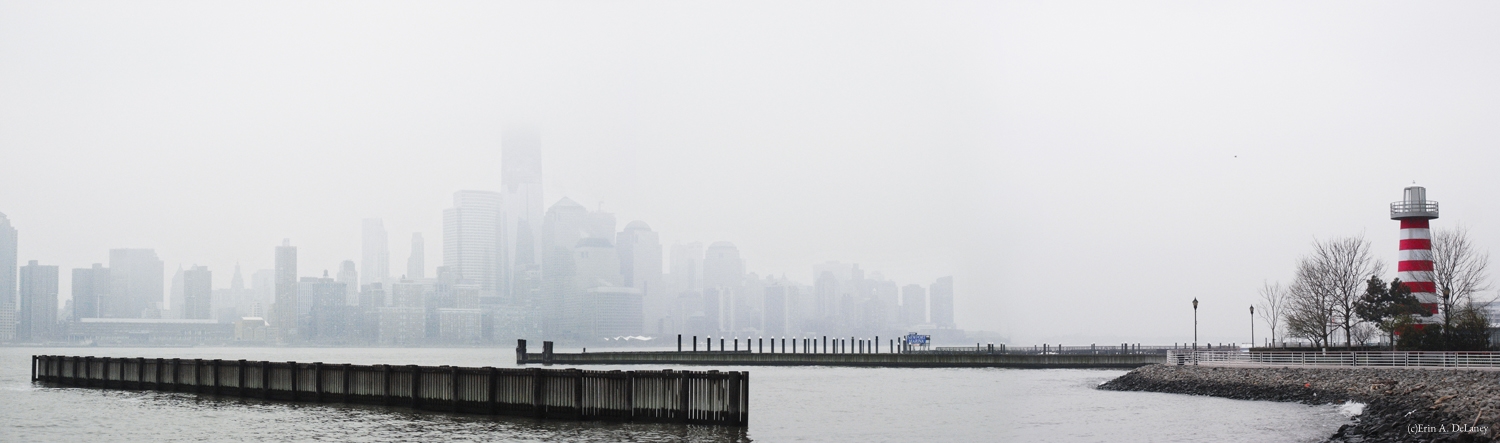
(914,339)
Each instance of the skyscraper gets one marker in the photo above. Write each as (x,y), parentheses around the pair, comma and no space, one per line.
(416,265)
(687,266)
(376,258)
(177,296)
(197,294)
(724,276)
(640,265)
(7,279)
(8,261)
(136,283)
(285,312)
(91,292)
(913,305)
(773,322)
(350,278)
(942,302)
(234,302)
(722,266)
(38,316)
(471,238)
(564,225)
(521,176)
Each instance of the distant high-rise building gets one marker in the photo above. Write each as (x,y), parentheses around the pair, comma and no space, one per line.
(177,296)
(913,305)
(284,316)
(687,267)
(376,259)
(472,238)
(722,266)
(564,226)
(408,295)
(350,278)
(136,282)
(416,265)
(8,261)
(197,294)
(91,296)
(38,315)
(640,265)
(521,176)
(263,288)
(321,310)
(942,302)
(774,319)
(232,303)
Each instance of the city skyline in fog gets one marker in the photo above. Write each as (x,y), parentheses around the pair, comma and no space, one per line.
(1081,172)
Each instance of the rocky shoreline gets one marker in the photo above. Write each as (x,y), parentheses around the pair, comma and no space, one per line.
(1402,405)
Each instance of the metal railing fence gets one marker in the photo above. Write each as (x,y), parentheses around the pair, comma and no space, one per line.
(1354,359)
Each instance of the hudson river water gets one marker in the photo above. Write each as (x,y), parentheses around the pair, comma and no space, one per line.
(812,404)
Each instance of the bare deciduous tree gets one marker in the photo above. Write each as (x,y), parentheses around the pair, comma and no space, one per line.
(1326,292)
(1308,315)
(1272,306)
(1459,271)
(1362,333)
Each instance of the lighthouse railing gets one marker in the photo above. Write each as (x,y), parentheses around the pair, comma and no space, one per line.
(1408,207)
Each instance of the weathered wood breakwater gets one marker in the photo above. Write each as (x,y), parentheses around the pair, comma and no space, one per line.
(975,359)
(1402,405)
(700,397)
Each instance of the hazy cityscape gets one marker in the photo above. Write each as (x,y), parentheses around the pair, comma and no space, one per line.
(512,267)
(830,221)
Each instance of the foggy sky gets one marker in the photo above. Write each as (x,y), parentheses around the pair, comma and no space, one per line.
(1082,169)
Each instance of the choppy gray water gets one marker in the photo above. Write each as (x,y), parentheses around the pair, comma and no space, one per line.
(815,404)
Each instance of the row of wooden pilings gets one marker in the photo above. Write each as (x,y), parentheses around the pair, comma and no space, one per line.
(699,397)
(810,345)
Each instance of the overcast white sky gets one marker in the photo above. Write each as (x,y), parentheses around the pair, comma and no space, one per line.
(1082,169)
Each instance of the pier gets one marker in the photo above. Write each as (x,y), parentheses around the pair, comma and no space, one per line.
(814,353)
(697,397)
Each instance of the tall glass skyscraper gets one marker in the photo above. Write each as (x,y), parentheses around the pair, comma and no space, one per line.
(472,240)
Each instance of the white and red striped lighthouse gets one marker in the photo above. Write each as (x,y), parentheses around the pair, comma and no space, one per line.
(1414,265)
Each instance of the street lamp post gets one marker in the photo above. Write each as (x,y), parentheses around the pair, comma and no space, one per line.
(1195,331)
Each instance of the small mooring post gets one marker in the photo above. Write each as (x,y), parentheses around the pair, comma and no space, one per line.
(679,342)
(521,350)
(695,343)
(547,353)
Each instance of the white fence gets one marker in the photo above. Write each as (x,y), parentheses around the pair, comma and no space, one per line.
(1360,359)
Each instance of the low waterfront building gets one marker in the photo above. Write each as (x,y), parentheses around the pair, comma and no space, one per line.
(251,329)
(154,331)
